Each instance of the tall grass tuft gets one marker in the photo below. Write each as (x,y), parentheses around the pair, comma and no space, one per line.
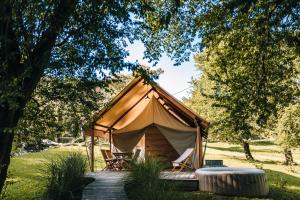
(64,176)
(143,182)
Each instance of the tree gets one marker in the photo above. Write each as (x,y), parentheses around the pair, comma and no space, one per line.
(202,102)
(250,48)
(63,105)
(65,38)
(199,24)
(288,131)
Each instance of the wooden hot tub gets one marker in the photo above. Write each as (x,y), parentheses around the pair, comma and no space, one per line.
(249,182)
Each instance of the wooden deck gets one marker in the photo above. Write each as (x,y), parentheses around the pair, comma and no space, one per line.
(109,185)
(169,175)
(185,181)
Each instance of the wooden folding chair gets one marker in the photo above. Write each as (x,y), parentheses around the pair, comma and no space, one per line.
(132,159)
(183,161)
(109,160)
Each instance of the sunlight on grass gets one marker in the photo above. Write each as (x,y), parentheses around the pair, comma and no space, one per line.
(283,180)
(26,179)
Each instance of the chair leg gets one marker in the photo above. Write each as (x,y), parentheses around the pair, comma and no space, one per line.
(183,165)
(174,168)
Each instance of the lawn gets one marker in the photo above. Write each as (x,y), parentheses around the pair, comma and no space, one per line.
(26,176)
(284,181)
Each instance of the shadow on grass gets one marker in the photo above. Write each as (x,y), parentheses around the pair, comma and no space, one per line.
(240,149)
(276,162)
(262,143)
(231,149)
(283,186)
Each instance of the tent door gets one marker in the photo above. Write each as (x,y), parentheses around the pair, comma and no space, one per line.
(158,146)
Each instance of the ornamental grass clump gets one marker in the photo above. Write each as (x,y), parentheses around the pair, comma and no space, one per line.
(65,175)
(143,182)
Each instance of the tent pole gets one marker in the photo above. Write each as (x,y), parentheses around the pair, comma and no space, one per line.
(92,151)
(109,140)
(199,144)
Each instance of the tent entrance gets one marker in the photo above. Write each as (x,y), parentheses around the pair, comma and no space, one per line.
(150,141)
(158,146)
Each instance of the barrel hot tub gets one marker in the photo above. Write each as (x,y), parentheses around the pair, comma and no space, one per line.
(249,182)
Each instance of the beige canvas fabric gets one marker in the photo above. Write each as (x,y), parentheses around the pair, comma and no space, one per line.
(136,108)
(183,157)
(123,105)
(127,142)
(150,111)
(180,136)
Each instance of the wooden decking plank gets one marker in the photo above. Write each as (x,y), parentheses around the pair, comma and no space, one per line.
(108,185)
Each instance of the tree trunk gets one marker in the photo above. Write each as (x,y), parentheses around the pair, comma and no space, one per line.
(16,70)
(247,151)
(288,156)
(5,149)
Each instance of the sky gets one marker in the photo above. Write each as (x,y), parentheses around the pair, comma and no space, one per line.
(175,79)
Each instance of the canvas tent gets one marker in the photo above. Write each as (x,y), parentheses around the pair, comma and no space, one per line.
(146,116)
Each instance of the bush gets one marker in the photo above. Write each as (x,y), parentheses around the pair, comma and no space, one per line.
(65,176)
(143,182)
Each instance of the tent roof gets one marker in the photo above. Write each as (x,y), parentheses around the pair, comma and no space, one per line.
(129,103)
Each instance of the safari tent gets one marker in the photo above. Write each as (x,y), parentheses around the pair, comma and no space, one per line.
(146,117)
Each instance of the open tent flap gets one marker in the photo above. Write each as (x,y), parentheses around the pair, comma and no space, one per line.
(178,139)
(127,142)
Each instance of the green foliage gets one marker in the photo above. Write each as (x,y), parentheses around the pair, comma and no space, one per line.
(250,63)
(64,176)
(63,106)
(27,180)
(65,39)
(198,24)
(201,101)
(143,182)
(282,186)
(288,127)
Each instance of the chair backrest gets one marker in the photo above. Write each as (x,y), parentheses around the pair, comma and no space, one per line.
(109,154)
(186,154)
(103,152)
(136,154)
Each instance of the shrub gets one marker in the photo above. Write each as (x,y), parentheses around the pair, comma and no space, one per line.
(143,182)
(65,176)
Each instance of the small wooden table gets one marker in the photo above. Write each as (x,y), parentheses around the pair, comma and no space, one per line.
(123,158)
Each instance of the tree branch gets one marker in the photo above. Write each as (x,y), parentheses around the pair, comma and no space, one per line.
(40,56)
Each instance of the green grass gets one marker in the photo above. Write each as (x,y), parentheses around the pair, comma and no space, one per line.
(284,181)
(26,178)
(143,182)
(65,175)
